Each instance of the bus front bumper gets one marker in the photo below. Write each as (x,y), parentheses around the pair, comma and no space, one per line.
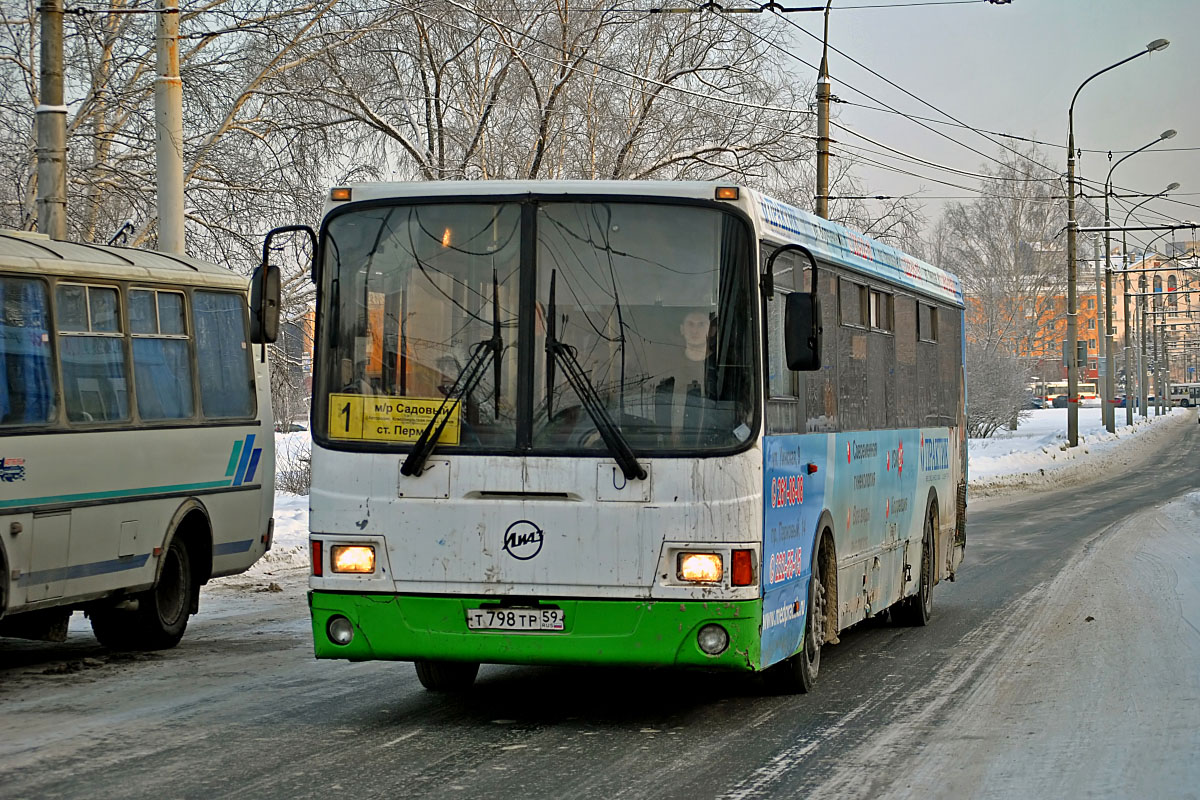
(616,632)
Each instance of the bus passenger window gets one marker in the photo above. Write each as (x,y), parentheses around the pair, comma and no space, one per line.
(222,355)
(162,365)
(26,379)
(92,350)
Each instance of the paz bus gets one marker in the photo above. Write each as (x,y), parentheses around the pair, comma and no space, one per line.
(636,423)
(1185,394)
(136,450)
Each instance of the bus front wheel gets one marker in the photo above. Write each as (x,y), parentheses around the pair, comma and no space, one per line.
(446,676)
(162,612)
(799,673)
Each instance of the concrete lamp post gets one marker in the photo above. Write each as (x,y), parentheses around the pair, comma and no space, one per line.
(1110,409)
(1072,225)
(1141,304)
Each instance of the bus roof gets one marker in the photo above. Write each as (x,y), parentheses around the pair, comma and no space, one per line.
(27,251)
(785,224)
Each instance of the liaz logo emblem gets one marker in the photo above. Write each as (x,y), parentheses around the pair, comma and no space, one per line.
(523,540)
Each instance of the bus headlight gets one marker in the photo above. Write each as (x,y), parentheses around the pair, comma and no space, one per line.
(700,567)
(352,558)
(340,630)
(712,639)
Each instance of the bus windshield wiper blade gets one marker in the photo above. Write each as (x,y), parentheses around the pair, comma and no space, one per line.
(589,398)
(481,353)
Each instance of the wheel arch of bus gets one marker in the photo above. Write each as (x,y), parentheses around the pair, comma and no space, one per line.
(192,526)
(941,555)
(827,569)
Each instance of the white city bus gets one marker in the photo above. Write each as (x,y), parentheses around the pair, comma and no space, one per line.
(1185,394)
(1086,392)
(136,447)
(626,423)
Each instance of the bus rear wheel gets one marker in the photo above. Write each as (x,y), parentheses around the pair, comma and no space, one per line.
(162,612)
(917,609)
(447,676)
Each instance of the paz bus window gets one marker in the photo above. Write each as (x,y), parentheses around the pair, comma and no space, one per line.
(92,351)
(27,380)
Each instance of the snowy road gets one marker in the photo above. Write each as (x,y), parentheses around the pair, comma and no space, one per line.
(1011,692)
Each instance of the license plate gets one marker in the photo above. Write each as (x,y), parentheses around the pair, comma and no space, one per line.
(515,619)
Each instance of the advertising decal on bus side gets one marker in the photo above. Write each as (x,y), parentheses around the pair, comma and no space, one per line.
(793,496)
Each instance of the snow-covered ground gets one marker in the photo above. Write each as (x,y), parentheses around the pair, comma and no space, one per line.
(1036,454)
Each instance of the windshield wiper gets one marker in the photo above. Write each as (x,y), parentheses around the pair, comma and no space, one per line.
(589,398)
(481,353)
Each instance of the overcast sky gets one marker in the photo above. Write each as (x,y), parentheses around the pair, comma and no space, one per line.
(1013,68)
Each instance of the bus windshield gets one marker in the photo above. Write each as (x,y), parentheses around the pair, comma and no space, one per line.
(650,308)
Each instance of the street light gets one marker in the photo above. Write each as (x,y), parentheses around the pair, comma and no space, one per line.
(1110,410)
(1141,382)
(1125,302)
(1072,324)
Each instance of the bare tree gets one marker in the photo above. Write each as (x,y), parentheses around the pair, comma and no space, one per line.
(997,392)
(451,90)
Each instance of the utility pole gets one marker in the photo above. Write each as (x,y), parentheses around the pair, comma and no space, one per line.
(1130,385)
(1101,327)
(168,125)
(51,115)
(1072,302)
(824,91)
(1157,331)
(1143,378)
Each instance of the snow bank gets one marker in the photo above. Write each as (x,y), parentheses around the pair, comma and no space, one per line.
(1036,454)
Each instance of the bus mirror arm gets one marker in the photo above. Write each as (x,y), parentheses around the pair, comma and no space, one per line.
(266,290)
(768,276)
(802,315)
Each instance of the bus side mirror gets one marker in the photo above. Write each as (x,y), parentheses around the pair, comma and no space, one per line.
(266,287)
(802,332)
(264,304)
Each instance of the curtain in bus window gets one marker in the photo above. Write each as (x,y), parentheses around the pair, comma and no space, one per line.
(26,383)
(93,370)
(221,355)
(163,377)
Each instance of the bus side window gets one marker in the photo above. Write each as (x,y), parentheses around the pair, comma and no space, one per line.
(785,405)
(92,351)
(162,363)
(27,380)
(821,387)
(223,355)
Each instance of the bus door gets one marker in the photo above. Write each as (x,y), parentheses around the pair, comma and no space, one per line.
(51,538)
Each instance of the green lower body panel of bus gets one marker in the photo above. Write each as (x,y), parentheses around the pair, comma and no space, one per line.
(617,632)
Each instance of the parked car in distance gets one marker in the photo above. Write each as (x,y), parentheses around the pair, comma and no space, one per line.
(1038,402)
(289,427)
(1060,401)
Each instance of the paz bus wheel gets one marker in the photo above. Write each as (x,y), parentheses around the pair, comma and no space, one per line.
(446,676)
(162,613)
(917,609)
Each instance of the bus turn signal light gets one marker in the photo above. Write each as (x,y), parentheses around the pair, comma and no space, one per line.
(316,560)
(700,567)
(352,558)
(742,572)
(727,193)
(340,193)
